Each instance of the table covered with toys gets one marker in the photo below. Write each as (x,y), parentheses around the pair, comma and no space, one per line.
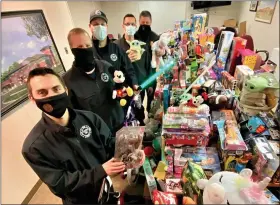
(212,135)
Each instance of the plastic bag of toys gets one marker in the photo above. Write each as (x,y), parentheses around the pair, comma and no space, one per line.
(128,146)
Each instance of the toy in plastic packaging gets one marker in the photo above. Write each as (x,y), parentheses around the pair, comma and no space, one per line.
(128,146)
(164,198)
(202,110)
(174,186)
(191,174)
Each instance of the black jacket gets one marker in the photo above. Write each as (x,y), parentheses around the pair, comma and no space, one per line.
(69,160)
(113,54)
(142,67)
(95,95)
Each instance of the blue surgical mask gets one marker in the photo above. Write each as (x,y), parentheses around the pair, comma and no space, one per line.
(100,32)
(130,30)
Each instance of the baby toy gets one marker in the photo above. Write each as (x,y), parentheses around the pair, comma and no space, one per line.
(259,93)
(160,47)
(135,45)
(232,188)
(120,90)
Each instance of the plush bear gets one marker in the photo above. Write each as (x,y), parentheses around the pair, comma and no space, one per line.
(121,91)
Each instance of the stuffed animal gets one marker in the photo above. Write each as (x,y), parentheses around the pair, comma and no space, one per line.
(232,188)
(160,47)
(121,91)
(135,46)
(259,93)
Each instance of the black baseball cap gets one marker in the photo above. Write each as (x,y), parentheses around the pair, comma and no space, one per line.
(97,14)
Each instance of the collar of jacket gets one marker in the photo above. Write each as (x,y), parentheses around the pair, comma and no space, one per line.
(96,43)
(53,127)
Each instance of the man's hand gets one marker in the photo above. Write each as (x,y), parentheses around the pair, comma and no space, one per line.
(135,87)
(132,55)
(113,167)
(150,91)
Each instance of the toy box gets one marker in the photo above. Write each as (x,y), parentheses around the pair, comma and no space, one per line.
(249,58)
(152,184)
(276,177)
(166,97)
(206,157)
(237,44)
(275,146)
(186,25)
(265,161)
(228,81)
(235,161)
(198,24)
(229,134)
(224,46)
(174,186)
(272,199)
(240,74)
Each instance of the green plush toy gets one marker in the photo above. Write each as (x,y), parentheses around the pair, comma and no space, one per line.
(135,45)
(185,97)
(259,82)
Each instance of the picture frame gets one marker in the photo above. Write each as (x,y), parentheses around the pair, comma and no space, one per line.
(253,6)
(265,11)
(27,43)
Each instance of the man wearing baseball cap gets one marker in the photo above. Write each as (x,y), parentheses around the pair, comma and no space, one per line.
(109,51)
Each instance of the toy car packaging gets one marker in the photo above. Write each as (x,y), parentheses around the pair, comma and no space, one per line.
(128,146)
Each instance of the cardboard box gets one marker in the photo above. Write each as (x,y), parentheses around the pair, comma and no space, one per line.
(230,23)
(242,28)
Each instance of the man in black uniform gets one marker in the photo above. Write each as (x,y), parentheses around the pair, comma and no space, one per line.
(142,67)
(90,82)
(70,150)
(146,35)
(109,51)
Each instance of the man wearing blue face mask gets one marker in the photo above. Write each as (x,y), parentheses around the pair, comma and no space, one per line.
(142,66)
(109,51)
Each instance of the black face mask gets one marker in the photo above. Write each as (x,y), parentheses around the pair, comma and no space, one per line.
(144,31)
(55,105)
(84,58)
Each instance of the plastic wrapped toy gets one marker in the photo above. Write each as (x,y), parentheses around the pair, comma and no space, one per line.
(164,198)
(201,110)
(128,146)
(191,174)
(232,188)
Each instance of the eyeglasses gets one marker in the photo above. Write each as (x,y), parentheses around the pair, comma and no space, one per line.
(130,24)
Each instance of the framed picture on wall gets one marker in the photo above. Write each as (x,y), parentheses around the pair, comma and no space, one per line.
(265,11)
(253,6)
(27,43)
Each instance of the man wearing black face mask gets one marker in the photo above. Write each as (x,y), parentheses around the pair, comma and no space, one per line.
(90,82)
(146,35)
(70,150)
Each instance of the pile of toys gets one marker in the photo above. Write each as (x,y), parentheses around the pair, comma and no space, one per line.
(215,138)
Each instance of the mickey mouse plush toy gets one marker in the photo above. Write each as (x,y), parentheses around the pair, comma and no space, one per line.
(121,91)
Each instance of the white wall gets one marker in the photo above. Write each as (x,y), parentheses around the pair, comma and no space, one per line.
(265,36)
(80,11)
(164,13)
(17,177)
(217,15)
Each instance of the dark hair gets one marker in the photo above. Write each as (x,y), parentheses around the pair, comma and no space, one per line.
(42,72)
(129,15)
(145,14)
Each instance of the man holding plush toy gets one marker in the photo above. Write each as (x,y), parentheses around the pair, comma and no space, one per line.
(138,56)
